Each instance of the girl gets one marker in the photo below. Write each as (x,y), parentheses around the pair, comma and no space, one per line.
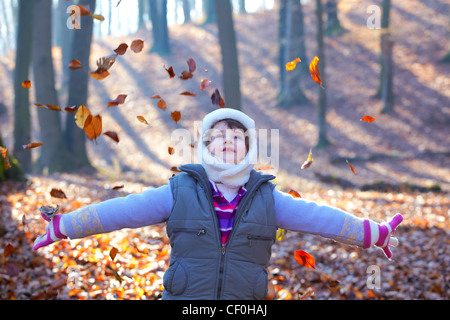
(222,217)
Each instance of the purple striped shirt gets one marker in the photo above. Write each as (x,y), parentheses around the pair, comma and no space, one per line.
(225,210)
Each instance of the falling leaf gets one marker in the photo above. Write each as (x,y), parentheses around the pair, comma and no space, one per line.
(162,104)
(308,161)
(175,169)
(81,116)
(93,126)
(142,119)
(314,70)
(113,252)
(84,11)
(118,187)
(119,100)
(292,64)
(26,84)
(187,93)
(305,259)
(106,63)
(9,249)
(156,96)
(281,233)
(32,145)
(368,119)
(192,65)
(121,49)
(71,109)
(185,75)
(48,106)
(171,150)
(217,100)
(98,17)
(205,84)
(113,135)
(137,46)
(4,152)
(351,167)
(75,64)
(99,74)
(58,193)
(176,116)
(170,72)
(294,193)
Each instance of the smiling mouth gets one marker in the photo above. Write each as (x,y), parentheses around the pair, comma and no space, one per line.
(227,149)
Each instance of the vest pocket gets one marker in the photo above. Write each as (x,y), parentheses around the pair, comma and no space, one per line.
(261,285)
(252,237)
(175,279)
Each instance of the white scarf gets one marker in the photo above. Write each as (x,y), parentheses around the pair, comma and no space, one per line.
(229,174)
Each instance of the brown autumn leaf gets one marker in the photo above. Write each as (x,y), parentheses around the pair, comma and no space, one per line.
(84,11)
(81,116)
(187,93)
(192,65)
(99,74)
(71,109)
(305,259)
(156,96)
(308,161)
(205,83)
(294,193)
(113,135)
(175,169)
(113,252)
(314,70)
(9,249)
(58,193)
(292,64)
(368,119)
(171,150)
(162,104)
(185,75)
(170,72)
(121,49)
(75,64)
(118,187)
(48,106)
(33,145)
(26,84)
(119,100)
(93,126)
(137,46)
(217,99)
(176,116)
(142,119)
(351,167)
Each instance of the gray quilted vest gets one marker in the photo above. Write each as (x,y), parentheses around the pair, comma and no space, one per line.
(200,268)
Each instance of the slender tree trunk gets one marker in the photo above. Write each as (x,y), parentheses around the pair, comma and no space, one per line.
(385,21)
(333,25)
(141,12)
(209,9)
(387,92)
(186,11)
(53,154)
(227,39)
(75,138)
(322,103)
(22,118)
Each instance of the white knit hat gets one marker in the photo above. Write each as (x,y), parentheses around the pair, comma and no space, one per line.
(217,170)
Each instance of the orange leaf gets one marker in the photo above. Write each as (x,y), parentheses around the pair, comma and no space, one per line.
(205,84)
(137,46)
(294,193)
(32,145)
(187,93)
(351,167)
(8,250)
(314,70)
(176,116)
(26,84)
(170,72)
(171,150)
(99,74)
(142,119)
(368,119)
(308,161)
(292,64)
(93,126)
(186,75)
(162,104)
(58,193)
(83,10)
(71,109)
(81,116)
(114,251)
(119,100)
(121,49)
(113,135)
(75,64)
(156,96)
(305,259)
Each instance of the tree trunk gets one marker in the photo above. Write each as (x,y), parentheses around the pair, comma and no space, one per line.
(292,46)
(141,12)
(22,118)
(333,25)
(53,154)
(186,11)
(75,138)
(384,28)
(242,6)
(322,103)
(158,15)
(387,92)
(209,9)
(227,40)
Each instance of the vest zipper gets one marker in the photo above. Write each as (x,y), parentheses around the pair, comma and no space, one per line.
(199,232)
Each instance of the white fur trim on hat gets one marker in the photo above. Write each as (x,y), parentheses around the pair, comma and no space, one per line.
(228,173)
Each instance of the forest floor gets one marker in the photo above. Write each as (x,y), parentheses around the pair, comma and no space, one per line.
(401,160)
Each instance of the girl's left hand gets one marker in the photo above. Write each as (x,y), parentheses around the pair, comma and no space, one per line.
(386,231)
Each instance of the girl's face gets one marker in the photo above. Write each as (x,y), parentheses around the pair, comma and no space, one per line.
(227,144)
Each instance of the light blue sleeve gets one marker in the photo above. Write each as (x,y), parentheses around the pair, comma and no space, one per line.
(297,214)
(152,206)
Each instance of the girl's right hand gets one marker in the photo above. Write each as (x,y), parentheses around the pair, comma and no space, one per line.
(53,232)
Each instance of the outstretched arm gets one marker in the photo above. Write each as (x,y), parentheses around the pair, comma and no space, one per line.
(136,210)
(333,223)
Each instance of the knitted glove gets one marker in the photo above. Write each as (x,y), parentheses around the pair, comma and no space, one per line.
(380,235)
(53,230)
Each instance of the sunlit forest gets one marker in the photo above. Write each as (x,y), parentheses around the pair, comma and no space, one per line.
(102,99)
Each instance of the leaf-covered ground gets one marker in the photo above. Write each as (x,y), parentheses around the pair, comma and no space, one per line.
(403,153)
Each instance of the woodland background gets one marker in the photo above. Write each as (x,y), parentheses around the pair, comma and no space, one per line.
(398,74)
